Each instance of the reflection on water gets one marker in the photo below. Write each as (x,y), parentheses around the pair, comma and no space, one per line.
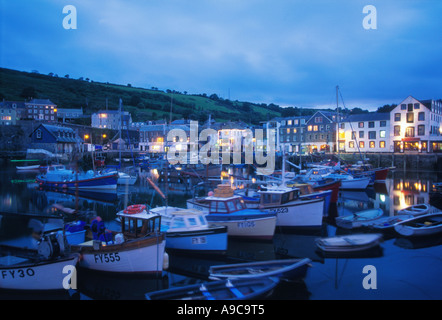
(329,278)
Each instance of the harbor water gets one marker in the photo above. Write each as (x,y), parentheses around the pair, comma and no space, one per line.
(401,268)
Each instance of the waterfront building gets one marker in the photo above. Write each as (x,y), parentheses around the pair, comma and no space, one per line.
(8,113)
(111,119)
(42,110)
(416,126)
(366,132)
(320,132)
(55,139)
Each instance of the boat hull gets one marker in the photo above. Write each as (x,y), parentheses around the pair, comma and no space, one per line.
(108,182)
(237,289)
(210,241)
(299,214)
(342,244)
(262,228)
(417,227)
(284,268)
(356,183)
(333,186)
(47,275)
(141,257)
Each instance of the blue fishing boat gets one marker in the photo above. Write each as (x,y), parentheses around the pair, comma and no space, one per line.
(236,289)
(57,176)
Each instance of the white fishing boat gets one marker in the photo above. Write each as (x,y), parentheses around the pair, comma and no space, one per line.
(416,210)
(187,231)
(349,243)
(36,261)
(139,248)
(226,209)
(425,225)
(291,210)
(358,219)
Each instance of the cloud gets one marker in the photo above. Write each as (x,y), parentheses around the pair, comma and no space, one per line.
(284,51)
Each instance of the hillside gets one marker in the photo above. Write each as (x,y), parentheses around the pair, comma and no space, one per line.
(144,104)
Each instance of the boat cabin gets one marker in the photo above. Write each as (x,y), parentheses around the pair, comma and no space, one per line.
(139,225)
(278,196)
(226,205)
(187,220)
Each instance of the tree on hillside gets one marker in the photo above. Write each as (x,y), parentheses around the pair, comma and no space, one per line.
(28,93)
(386,108)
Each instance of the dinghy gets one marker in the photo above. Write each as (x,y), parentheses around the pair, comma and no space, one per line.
(236,289)
(349,243)
(388,223)
(416,210)
(358,219)
(285,269)
(425,225)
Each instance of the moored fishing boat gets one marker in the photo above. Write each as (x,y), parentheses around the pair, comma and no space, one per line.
(58,177)
(236,289)
(226,209)
(358,219)
(425,225)
(288,269)
(349,243)
(187,231)
(36,261)
(139,248)
(292,212)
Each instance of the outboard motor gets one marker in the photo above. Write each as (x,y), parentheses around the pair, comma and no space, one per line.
(51,245)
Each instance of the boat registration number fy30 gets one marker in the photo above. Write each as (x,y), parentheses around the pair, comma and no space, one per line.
(107,257)
(20,273)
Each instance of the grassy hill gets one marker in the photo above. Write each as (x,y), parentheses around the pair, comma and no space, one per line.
(144,104)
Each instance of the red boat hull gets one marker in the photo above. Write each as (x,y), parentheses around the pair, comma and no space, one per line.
(334,186)
(381,174)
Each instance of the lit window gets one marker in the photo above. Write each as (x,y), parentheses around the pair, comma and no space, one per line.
(381,144)
(361,144)
(372,144)
(382,134)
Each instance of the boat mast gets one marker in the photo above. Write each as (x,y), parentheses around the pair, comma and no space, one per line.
(119,133)
(338,120)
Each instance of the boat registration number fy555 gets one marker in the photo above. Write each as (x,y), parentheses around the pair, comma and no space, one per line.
(107,257)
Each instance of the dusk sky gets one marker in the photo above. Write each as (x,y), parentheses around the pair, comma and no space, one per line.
(287,52)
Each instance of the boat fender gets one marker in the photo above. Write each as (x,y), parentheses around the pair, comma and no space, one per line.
(136,208)
(165,261)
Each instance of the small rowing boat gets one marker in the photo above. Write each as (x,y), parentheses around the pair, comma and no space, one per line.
(349,243)
(359,219)
(236,289)
(425,225)
(284,268)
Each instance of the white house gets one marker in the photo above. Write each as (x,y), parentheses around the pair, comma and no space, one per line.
(415,126)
